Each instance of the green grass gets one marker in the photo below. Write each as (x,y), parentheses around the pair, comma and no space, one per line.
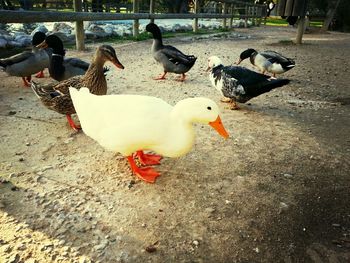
(274,21)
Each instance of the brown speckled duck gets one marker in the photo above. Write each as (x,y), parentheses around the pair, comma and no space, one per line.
(56,96)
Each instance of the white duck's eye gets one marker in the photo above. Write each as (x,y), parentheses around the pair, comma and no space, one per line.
(209,108)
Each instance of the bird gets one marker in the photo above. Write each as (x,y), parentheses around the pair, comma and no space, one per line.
(28,62)
(238,84)
(62,68)
(132,124)
(267,61)
(172,59)
(56,96)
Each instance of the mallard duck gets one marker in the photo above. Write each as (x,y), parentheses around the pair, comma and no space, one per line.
(27,63)
(238,84)
(268,60)
(56,96)
(62,68)
(172,59)
(130,124)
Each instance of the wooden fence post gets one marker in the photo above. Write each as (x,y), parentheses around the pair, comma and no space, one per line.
(246,18)
(224,11)
(300,31)
(151,9)
(79,27)
(195,21)
(231,11)
(136,23)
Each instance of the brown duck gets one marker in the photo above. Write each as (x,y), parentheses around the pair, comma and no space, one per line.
(56,96)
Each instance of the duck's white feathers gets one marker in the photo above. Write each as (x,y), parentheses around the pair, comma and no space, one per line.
(127,123)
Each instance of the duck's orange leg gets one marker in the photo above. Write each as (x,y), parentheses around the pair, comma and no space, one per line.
(146,174)
(161,77)
(148,159)
(182,78)
(72,124)
(26,81)
(40,75)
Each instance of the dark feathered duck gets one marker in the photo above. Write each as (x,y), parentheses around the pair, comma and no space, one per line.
(56,96)
(60,67)
(172,59)
(27,63)
(268,61)
(238,84)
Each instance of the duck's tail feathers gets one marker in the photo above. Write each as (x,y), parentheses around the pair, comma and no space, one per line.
(192,59)
(41,92)
(288,64)
(2,65)
(273,84)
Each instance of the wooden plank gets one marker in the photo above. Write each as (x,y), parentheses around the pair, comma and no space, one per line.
(9,16)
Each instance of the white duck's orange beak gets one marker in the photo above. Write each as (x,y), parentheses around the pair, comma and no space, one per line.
(219,127)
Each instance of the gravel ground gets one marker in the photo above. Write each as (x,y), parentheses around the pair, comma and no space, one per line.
(277,191)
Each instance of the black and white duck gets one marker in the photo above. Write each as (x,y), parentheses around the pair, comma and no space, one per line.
(172,59)
(56,96)
(62,68)
(27,63)
(238,84)
(267,61)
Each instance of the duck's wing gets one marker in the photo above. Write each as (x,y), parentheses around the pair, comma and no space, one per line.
(18,58)
(77,63)
(63,86)
(245,84)
(53,99)
(176,56)
(274,57)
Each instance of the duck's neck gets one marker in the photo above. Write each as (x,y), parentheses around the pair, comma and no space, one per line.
(94,78)
(157,40)
(56,68)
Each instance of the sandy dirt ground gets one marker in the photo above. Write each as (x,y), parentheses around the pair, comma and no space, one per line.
(278,190)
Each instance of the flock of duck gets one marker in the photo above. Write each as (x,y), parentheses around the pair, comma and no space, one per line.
(114,121)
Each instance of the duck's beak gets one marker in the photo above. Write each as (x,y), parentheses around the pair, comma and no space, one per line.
(238,62)
(219,127)
(42,45)
(208,68)
(117,63)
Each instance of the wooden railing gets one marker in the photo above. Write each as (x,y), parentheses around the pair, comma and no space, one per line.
(230,10)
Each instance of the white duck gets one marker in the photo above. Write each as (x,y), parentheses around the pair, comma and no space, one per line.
(130,124)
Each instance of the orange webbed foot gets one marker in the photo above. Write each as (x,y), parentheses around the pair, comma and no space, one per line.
(148,159)
(146,174)
(161,77)
(40,75)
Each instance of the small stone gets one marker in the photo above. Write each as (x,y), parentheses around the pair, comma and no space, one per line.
(257,250)
(12,112)
(283,206)
(84,259)
(288,175)
(21,159)
(13,259)
(227,202)
(7,248)
(195,242)
(144,225)
(27,143)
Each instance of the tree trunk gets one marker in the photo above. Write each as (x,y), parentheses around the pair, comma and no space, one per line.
(332,8)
